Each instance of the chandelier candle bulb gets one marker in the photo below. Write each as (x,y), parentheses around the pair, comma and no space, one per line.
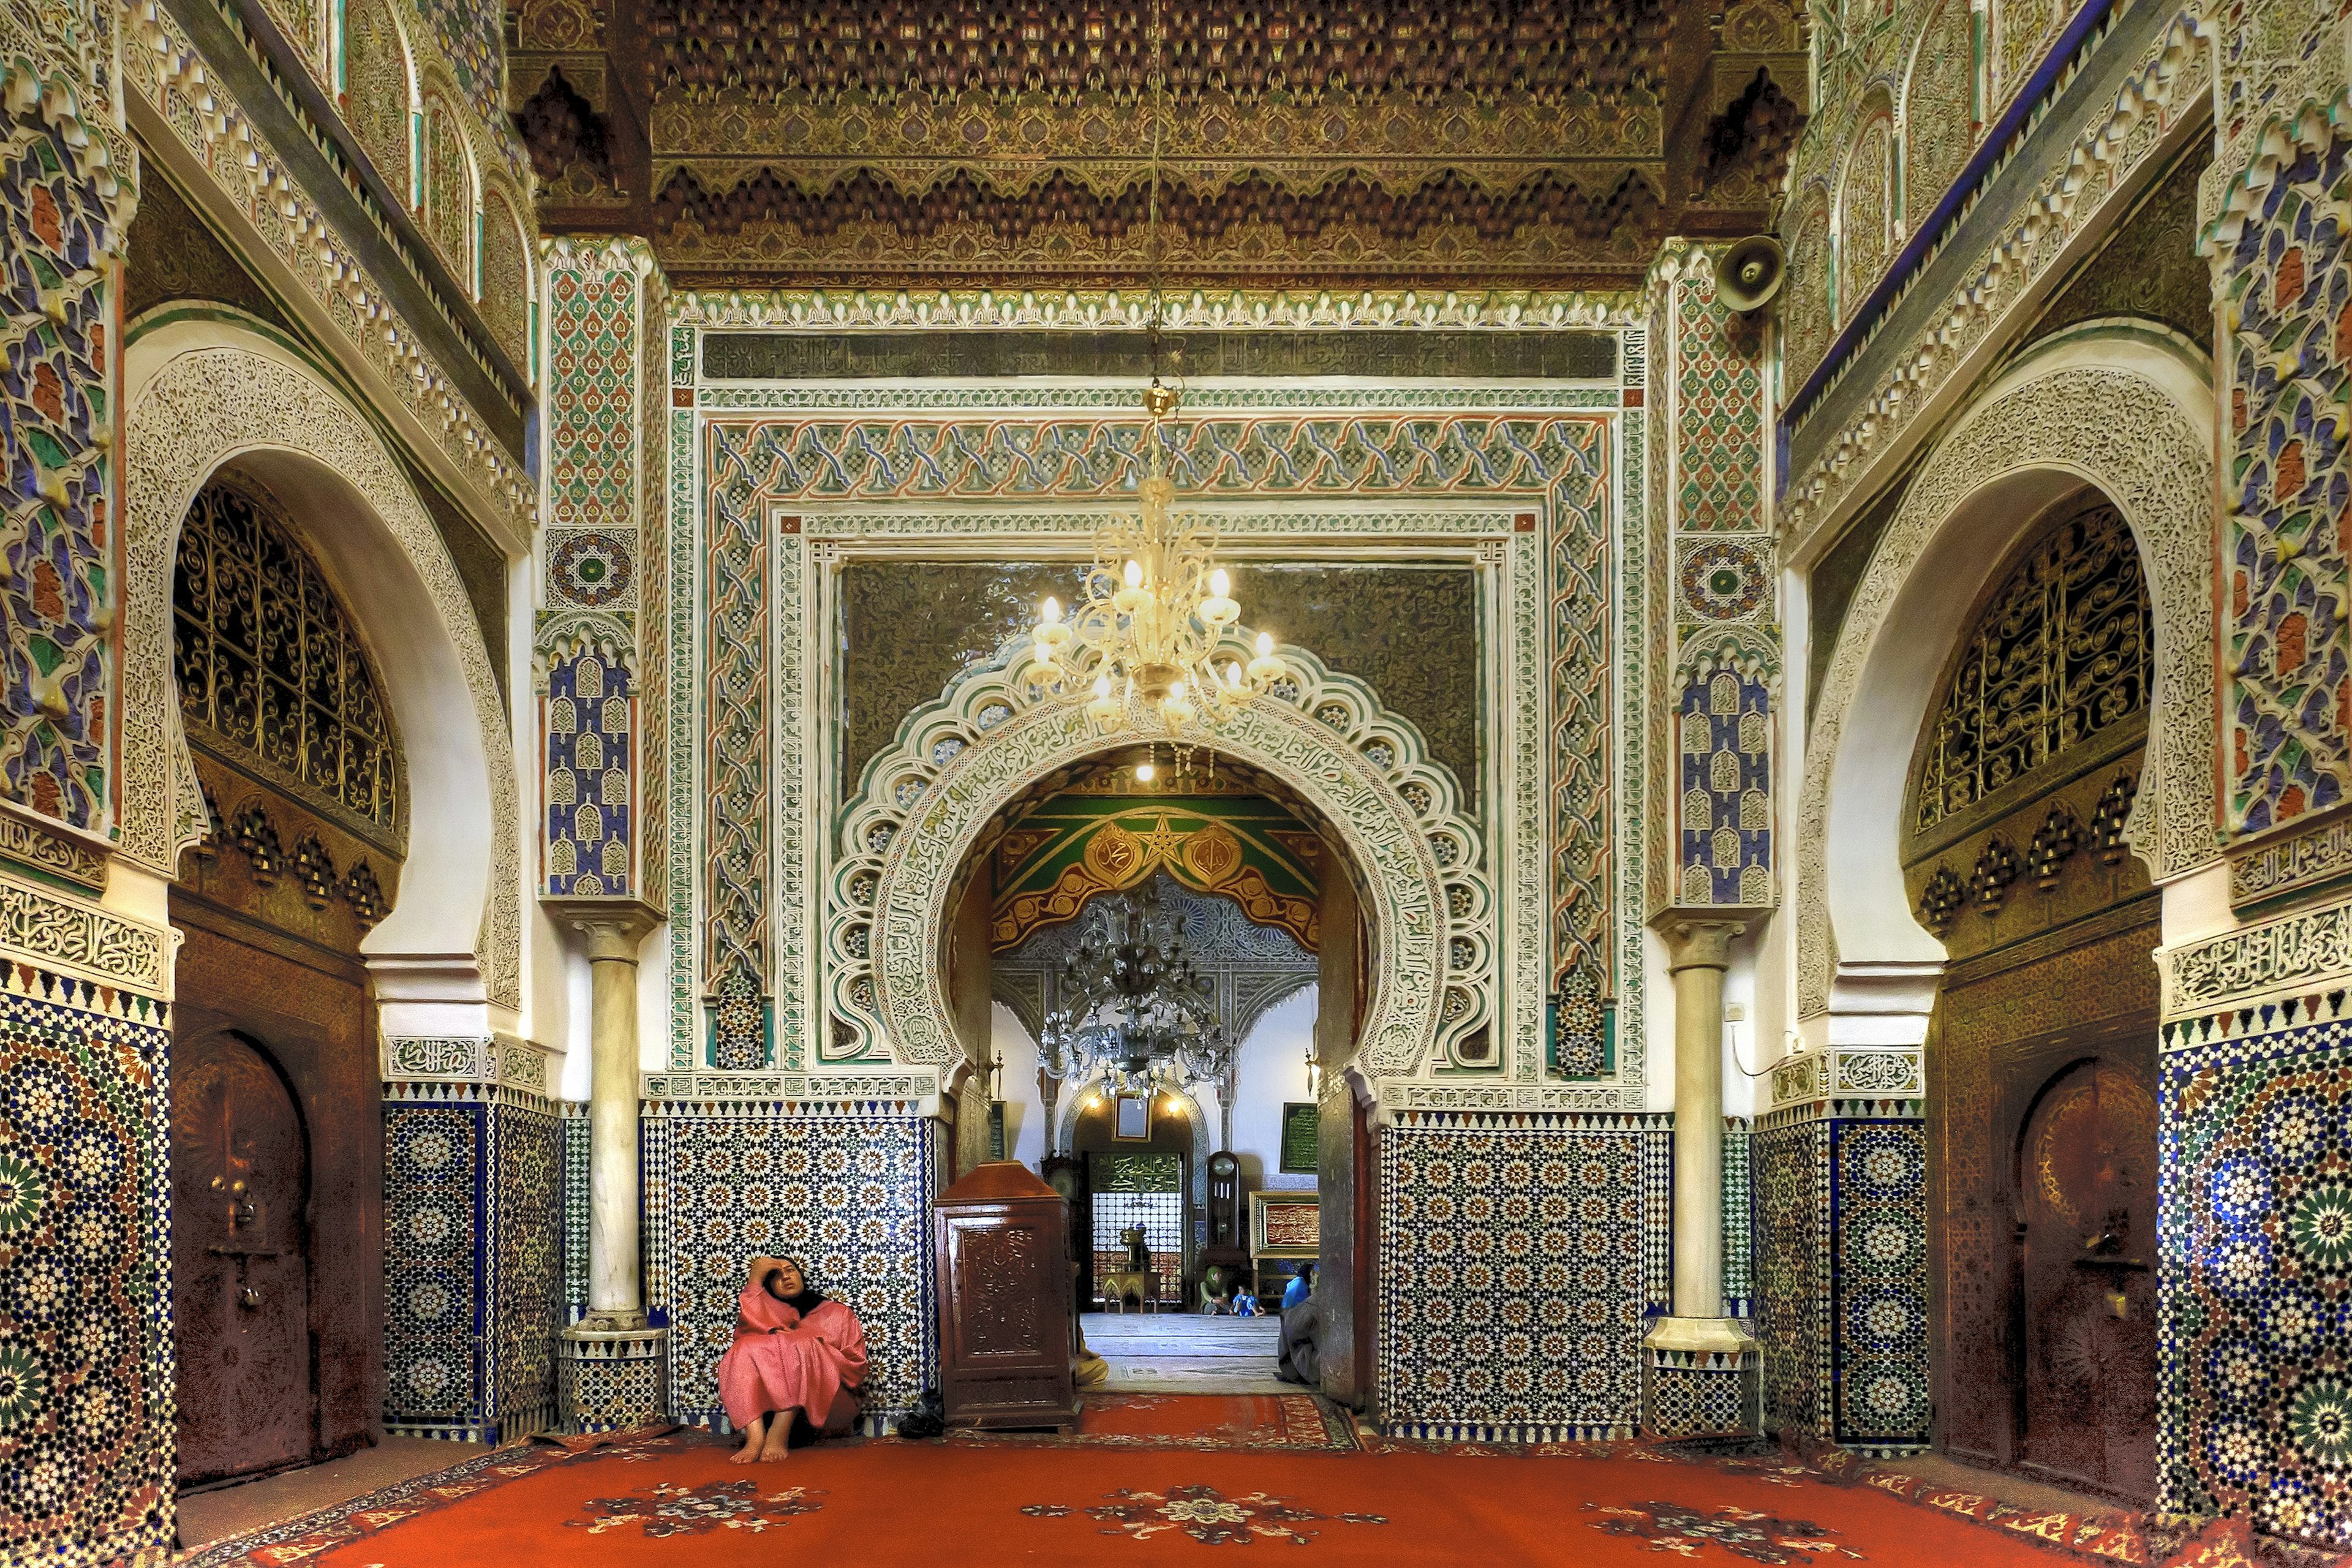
(1219,609)
(1265,668)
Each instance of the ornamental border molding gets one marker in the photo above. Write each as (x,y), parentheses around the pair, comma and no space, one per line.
(204,407)
(162,66)
(2169,81)
(2157,469)
(1098,309)
(37,844)
(74,936)
(2309,951)
(2320,102)
(958,760)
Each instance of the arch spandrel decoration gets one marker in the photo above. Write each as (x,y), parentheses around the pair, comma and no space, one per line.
(201,409)
(2157,467)
(956,762)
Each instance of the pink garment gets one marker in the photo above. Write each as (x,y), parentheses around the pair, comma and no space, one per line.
(780,1360)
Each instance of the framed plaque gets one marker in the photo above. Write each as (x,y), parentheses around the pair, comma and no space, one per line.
(1286,1224)
(1300,1127)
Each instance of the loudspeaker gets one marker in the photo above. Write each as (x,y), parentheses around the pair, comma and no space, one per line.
(1750,273)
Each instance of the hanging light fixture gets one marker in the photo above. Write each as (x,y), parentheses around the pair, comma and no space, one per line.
(1145,640)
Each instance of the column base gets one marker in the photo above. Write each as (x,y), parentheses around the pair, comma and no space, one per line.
(609,1377)
(1701,1377)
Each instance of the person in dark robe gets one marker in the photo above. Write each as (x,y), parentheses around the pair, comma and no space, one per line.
(1303,1329)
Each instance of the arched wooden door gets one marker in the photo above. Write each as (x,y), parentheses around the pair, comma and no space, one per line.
(240,1263)
(279,1281)
(2086,1281)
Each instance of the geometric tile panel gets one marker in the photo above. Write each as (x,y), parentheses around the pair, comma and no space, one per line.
(1522,1252)
(1720,434)
(1724,802)
(1738,1222)
(849,1197)
(433,1266)
(87,1372)
(1690,1394)
(589,764)
(2255,1398)
(1793,1275)
(575,1210)
(473,1264)
(1879,1211)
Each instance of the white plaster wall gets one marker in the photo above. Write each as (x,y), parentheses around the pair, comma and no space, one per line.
(1271,1070)
(1024,1102)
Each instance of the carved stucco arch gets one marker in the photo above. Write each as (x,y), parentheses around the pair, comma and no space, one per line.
(2125,408)
(203,393)
(923,803)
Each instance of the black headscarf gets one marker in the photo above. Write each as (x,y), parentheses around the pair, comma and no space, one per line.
(806,1302)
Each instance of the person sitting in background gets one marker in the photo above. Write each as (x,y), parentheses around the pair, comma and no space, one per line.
(1245,1304)
(796,1351)
(1300,1358)
(1301,1285)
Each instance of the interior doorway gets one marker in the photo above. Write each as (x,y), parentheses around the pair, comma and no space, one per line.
(2040,1055)
(276,1130)
(1270,916)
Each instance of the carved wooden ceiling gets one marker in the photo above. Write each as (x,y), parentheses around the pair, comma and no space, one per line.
(884,142)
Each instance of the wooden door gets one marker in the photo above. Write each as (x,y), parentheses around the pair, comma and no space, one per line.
(2086,1281)
(240,1179)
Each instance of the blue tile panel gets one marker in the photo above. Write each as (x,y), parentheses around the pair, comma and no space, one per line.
(472,1263)
(1519,1256)
(847,1196)
(86,1365)
(2254,1395)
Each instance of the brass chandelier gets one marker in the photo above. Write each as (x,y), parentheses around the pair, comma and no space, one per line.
(1148,633)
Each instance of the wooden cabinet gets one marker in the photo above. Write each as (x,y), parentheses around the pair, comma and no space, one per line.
(1003,1244)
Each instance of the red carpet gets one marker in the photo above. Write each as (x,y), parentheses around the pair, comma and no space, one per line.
(675,1499)
(1220,1421)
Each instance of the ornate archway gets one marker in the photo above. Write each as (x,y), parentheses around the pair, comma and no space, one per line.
(2117,407)
(924,802)
(203,394)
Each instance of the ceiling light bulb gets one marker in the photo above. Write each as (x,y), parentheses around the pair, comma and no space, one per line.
(1219,584)
(1053,612)
(1265,645)
(1143,771)
(1102,687)
(1135,574)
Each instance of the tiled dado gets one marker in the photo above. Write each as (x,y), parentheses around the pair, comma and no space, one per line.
(1699,1393)
(847,1194)
(1842,1271)
(473,1256)
(1538,1250)
(86,1377)
(2254,1398)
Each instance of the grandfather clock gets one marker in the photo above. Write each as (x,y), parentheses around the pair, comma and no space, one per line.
(1227,1250)
(1004,1301)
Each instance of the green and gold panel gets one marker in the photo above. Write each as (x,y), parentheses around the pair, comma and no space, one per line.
(1071,846)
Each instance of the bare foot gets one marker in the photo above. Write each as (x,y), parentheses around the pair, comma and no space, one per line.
(750,1452)
(778,1448)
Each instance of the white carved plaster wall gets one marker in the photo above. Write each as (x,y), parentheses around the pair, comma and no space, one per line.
(2124,408)
(203,394)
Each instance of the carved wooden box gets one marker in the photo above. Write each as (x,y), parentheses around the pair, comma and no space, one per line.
(1004,1301)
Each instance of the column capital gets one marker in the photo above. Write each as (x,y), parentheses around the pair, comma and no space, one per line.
(613,927)
(1699,938)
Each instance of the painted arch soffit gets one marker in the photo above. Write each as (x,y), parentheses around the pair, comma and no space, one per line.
(924,803)
(202,408)
(2157,467)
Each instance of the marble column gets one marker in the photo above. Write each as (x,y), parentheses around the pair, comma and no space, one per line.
(612,1363)
(1699,1366)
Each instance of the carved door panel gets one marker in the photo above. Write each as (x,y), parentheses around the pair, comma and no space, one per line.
(240,1292)
(2086,1188)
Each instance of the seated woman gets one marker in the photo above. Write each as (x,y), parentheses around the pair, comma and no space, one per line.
(796,1350)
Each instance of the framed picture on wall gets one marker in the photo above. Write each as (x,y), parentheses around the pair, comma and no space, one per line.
(1301,1129)
(1131,1119)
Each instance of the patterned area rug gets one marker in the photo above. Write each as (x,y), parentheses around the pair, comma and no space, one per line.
(675,1499)
(1296,1423)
